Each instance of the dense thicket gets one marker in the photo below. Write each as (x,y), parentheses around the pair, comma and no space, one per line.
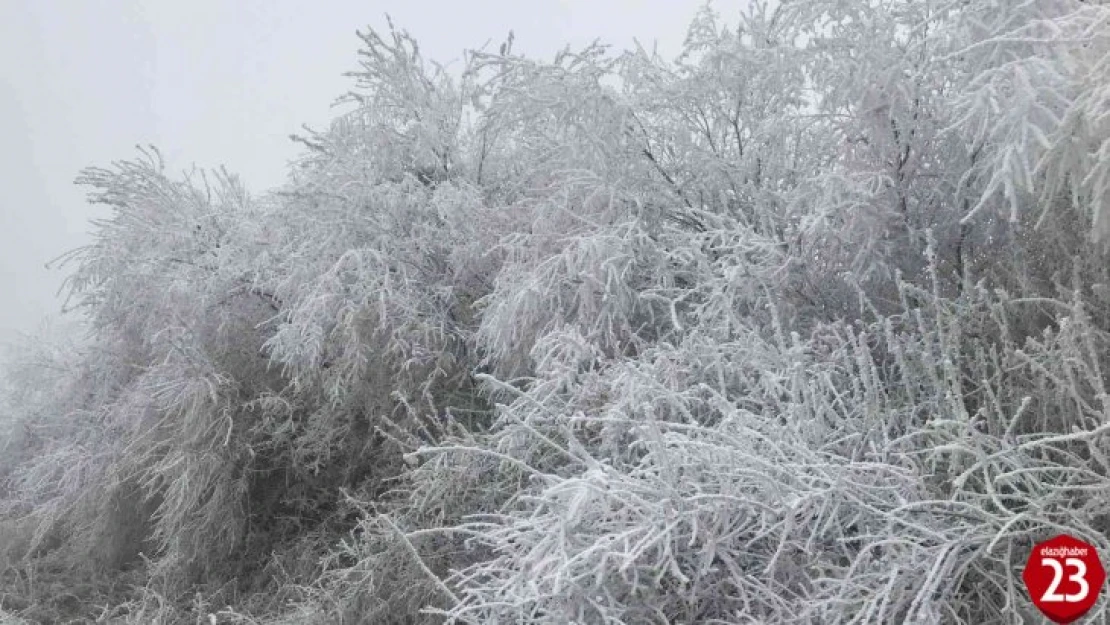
(806,325)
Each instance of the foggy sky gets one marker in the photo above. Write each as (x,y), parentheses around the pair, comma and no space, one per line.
(218,82)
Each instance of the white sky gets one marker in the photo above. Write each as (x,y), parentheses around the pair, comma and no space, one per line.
(219,82)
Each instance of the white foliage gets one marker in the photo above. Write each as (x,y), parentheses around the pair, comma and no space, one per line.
(806,325)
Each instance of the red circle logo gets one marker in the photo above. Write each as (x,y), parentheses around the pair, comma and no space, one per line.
(1064,578)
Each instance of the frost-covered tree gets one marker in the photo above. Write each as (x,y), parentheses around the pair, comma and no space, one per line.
(805,325)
